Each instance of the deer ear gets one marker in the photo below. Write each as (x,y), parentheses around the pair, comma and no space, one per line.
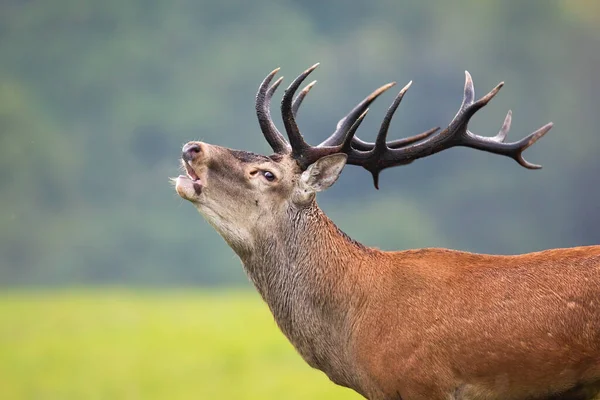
(323,173)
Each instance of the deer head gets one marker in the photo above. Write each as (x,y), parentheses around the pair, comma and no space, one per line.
(241,193)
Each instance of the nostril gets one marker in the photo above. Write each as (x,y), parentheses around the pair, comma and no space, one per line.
(191,151)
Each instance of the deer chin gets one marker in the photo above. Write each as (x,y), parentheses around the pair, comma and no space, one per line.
(189,189)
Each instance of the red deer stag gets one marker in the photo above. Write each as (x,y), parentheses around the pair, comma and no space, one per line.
(417,324)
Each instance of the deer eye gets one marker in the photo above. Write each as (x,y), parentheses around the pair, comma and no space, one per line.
(268,175)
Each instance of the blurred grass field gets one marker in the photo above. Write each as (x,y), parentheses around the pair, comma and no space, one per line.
(122,344)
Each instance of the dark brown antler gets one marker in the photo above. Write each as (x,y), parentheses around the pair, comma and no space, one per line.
(263,112)
(377,156)
(302,152)
(456,134)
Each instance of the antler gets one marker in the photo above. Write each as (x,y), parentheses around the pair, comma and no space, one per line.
(301,151)
(263,112)
(381,154)
(456,134)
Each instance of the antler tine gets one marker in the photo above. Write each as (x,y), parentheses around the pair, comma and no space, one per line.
(380,141)
(298,100)
(272,89)
(299,146)
(263,112)
(501,136)
(349,139)
(302,152)
(469,105)
(370,160)
(346,123)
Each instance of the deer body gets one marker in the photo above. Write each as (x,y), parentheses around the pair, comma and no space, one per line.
(431,323)
(484,326)
(410,325)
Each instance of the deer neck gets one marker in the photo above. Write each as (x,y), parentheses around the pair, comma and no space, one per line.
(305,271)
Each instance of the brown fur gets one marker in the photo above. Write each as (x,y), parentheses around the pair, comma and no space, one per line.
(417,324)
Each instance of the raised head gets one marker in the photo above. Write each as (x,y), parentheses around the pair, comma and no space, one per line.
(241,193)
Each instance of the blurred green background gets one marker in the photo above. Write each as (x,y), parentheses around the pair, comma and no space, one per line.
(114,287)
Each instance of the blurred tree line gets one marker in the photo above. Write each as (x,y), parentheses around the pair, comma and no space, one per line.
(97,97)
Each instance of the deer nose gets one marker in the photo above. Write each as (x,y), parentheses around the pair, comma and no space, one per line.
(191,151)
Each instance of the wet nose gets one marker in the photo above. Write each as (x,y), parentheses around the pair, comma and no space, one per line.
(191,151)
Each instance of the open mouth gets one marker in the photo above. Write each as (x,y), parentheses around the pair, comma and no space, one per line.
(191,174)
(190,171)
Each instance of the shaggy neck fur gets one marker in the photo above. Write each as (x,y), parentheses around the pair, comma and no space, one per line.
(306,273)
